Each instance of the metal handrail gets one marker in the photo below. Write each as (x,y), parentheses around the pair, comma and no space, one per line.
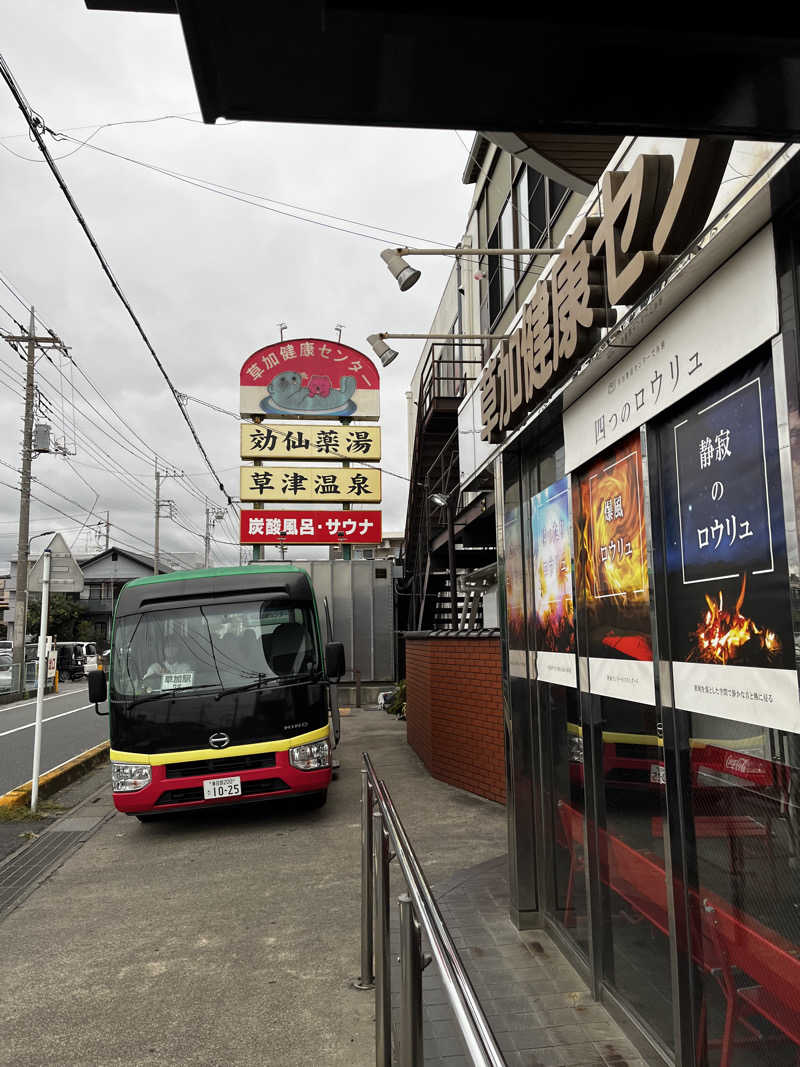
(470,1018)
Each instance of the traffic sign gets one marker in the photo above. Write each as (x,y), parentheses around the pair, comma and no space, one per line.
(65,574)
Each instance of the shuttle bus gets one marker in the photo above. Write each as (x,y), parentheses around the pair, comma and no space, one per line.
(219,690)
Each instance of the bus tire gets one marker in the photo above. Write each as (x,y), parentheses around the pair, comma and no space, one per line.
(312,801)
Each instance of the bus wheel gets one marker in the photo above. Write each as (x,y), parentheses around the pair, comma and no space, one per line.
(311,801)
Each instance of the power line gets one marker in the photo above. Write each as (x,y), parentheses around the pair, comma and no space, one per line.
(35,123)
(237,194)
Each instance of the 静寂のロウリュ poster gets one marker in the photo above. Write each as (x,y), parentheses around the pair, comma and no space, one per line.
(728,584)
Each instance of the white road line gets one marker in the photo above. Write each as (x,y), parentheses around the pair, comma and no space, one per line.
(30,725)
(28,703)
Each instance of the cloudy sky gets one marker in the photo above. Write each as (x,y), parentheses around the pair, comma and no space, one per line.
(209,276)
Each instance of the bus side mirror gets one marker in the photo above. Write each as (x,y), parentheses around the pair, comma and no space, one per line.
(98,689)
(334,660)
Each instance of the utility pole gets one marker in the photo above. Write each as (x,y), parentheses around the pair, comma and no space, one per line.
(108,529)
(159,504)
(20,604)
(213,515)
(157,517)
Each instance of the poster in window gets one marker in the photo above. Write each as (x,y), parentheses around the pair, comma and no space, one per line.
(514,581)
(611,574)
(728,584)
(554,605)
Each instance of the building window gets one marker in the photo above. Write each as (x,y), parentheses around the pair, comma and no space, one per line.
(537,207)
(494,271)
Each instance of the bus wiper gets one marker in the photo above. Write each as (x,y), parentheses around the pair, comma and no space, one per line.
(259,683)
(171,693)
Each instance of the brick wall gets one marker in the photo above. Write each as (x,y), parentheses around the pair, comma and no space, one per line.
(455,711)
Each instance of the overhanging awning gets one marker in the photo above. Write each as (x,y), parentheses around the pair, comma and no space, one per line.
(492,67)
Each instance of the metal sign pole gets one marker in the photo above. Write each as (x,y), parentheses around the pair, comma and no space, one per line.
(37,733)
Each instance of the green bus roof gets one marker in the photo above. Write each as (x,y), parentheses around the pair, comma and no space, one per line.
(219,572)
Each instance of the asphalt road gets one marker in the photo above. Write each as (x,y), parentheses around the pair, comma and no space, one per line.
(69,727)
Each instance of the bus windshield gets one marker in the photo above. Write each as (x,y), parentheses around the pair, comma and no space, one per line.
(205,646)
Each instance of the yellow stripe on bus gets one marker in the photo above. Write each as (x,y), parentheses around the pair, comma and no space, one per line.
(611,737)
(160,758)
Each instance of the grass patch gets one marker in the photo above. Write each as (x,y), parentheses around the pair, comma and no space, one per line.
(46,809)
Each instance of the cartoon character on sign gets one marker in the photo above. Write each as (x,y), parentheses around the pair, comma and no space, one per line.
(319,385)
(288,394)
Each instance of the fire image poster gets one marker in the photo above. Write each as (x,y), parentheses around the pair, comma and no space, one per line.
(611,574)
(732,645)
(554,606)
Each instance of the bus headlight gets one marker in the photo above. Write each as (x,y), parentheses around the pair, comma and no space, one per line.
(129,777)
(311,757)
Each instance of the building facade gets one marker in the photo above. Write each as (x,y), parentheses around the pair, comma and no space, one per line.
(640,427)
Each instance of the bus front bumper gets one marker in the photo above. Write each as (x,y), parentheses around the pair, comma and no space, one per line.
(170,790)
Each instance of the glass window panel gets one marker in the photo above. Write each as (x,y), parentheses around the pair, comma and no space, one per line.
(733,665)
(613,610)
(537,207)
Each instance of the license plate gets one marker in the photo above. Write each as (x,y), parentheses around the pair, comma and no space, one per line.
(658,774)
(215,788)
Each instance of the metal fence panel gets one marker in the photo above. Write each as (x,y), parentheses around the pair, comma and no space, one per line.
(362,612)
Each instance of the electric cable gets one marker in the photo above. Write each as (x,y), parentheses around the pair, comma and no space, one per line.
(34,124)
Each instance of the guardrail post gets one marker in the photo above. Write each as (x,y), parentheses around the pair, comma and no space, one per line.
(411,1048)
(366,979)
(383,974)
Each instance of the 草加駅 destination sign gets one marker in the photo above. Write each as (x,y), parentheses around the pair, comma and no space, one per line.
(301,441)
(272,527)
(326,485)
(309,378)
(648,219)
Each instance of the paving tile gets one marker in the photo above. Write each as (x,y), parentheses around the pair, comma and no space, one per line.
(434,1012)
(568,1035)
(443,1028)
(617,1052)
(535,1038)
(572,1056)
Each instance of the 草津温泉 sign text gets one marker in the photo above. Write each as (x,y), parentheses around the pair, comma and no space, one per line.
(610,259)
(301,441)
(327,485)
(309,378)
(310,527)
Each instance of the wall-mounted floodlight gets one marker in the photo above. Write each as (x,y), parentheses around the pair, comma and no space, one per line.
(386,354)
(381,349)
(406,275)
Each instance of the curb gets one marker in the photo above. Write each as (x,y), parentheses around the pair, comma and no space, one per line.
(56,778)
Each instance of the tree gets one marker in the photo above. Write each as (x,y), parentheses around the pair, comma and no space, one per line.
(66,615)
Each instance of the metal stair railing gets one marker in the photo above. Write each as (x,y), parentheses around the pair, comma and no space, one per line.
(383,839)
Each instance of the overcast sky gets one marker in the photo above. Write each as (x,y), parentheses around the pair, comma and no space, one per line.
(210,277)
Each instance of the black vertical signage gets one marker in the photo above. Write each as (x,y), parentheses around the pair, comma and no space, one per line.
(727,573)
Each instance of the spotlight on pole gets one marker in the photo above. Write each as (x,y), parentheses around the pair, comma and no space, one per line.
(381,349)
(406,275)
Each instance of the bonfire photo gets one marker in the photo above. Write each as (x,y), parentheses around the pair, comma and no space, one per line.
(726,636)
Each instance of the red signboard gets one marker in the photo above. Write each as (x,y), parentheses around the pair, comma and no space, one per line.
(270,527)
(309,378)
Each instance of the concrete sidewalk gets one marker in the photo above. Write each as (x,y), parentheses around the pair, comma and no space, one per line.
(223,937)
(232,936)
